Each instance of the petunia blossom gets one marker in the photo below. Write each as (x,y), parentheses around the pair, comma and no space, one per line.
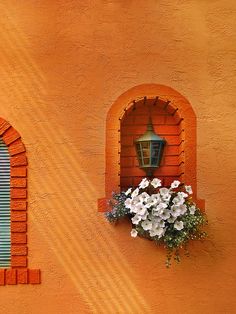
(179,225)
(136,219)
(156,183)
(175,211)
(128,191)
(188,189)
(144,197)
(141,211)
(149,203)
(183,209)
(172,219)
(144,216)
(175,184)
(164,192)
(128,203)
(162,224)
(156,213)
(157,232)
(192,209)
(166,198)
(135,192)
(134,233)
(155,220)
(165,214)
(160,206)
(182,194)
(144,183)
(178,200)
(136,207)
(147,225)
(152,201)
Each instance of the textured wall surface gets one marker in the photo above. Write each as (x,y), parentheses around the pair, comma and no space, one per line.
(62,65)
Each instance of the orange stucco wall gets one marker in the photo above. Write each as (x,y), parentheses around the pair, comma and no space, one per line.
(62,65)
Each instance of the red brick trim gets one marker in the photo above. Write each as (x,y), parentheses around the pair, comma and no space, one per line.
(14,276)
(177,104)
(18,273)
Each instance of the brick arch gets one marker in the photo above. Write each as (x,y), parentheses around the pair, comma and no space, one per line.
(176,104)
(18,271)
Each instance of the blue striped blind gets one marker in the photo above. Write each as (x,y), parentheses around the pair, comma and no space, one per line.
(5,218)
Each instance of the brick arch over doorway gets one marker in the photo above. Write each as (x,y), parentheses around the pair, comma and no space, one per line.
(17,272)
(174,119)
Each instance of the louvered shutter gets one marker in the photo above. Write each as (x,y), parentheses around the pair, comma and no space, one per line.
(5,219)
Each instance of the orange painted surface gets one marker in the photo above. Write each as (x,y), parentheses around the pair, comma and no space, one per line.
(63,64)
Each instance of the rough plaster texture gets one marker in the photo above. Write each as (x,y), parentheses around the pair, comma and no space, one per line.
(62,65)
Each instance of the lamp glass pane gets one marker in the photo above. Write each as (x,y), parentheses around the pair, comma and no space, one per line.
(146,149)
(154,161)
(139,154)
(155,149)
(146,161)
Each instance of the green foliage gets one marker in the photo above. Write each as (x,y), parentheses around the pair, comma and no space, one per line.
(117,207)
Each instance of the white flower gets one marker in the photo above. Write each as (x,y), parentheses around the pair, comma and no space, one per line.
(192,209)
(144,197)
(188,189)
(182,194)
(179,225)
(162,224)
(160,206)
(178,200)
(155,220)
(164,192)
(157,232)
(134,233)
(156,183)
(147,225)
(144,183)
(128,191)
(128,203)
(156,197)
(166,198)
(171,219)
(165,214)
(144,216)
(156,213)
(136,200)
(141,211)
(175,211)
(155,224)
(175,184)
(135,192)
(149,203)
(158,210)
(152,200)
(136,219)
(183,209)
(135,207)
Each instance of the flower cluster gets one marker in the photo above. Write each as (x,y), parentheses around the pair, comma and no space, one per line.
(165,215)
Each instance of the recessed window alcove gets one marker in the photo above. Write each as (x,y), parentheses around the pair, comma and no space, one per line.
(167,123)
(173,119)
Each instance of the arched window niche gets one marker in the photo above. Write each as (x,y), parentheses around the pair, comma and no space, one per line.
(13,210)
(173,119)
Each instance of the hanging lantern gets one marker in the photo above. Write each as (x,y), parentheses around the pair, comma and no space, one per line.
(149,149)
